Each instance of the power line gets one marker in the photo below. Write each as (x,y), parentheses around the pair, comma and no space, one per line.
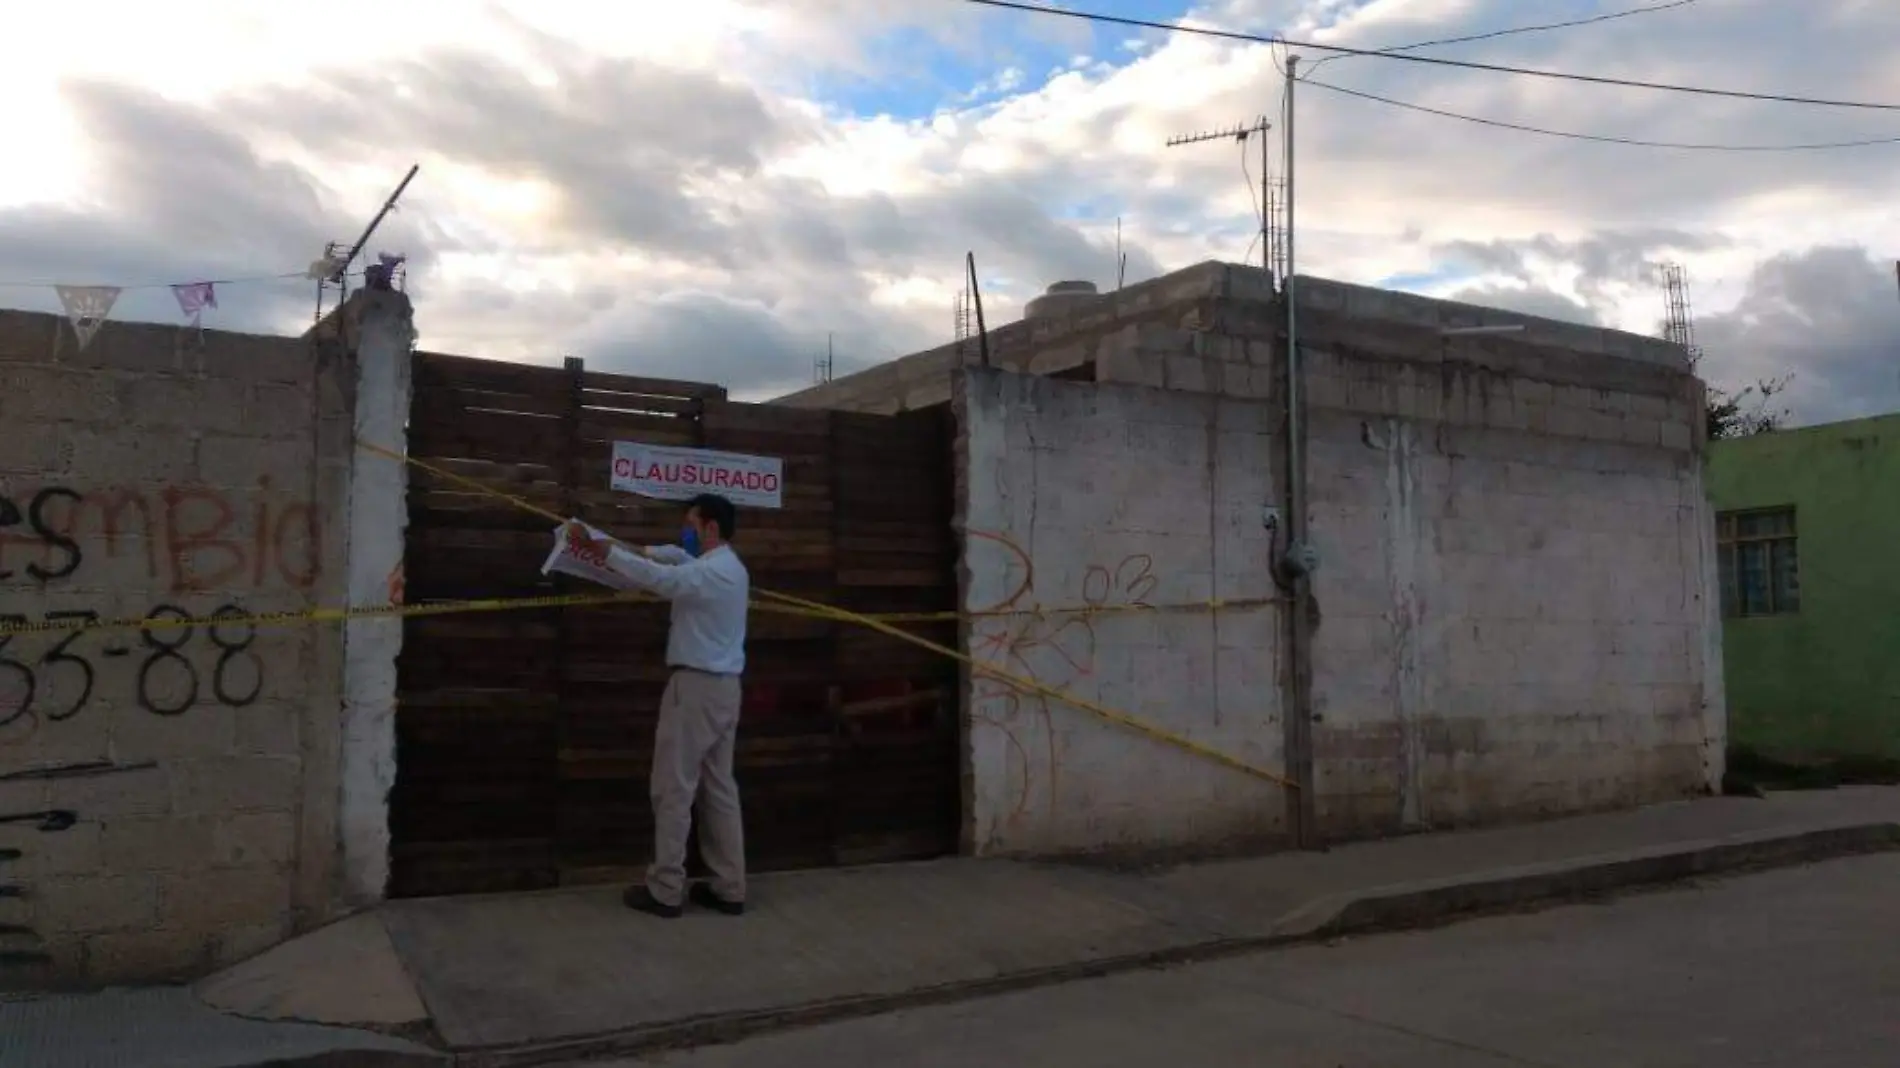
(1495,68)
(1601,139)
(1648,9)
(167,285)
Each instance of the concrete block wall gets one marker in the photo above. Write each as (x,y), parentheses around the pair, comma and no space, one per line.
(1070,345)
(1517,600)
(160,472)
(1143,504)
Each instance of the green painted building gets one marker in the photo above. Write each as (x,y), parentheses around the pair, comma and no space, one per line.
(1808,542)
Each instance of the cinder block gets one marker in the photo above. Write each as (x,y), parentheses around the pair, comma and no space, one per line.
(220,785)
(1327,391)
(1223,348)
(1061,358)
(160,844)
(251,359)
(147,956)
(48,855)
(256,840)
(57,394)
(118,456)
(1124,364)
(1162,339)
(1185,373)
(28,337)
(1647,406)
(90,903)
(1642,430)
(232,897)
(1532,391)
(1373,394)
(175,402)
(204,729)
(30,448)
(271,729)
(85,737)
(237,462)
(145,792)
(1677,436)
(144,348)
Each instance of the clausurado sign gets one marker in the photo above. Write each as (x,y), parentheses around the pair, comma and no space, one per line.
(670,474)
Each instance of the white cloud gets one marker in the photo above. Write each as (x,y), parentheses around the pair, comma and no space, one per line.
(625,178)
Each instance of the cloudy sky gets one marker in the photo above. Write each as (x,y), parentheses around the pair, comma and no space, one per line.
(709,189)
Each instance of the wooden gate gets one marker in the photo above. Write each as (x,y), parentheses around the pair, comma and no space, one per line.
(524,736)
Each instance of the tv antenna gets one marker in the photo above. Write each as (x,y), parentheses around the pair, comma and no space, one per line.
(1240,134)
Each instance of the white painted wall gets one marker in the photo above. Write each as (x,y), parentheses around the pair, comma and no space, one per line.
(377,518)
(1513,624)
(1515,594)
(1079,495)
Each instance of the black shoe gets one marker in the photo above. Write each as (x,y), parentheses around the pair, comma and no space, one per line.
(703,896)
(641,899)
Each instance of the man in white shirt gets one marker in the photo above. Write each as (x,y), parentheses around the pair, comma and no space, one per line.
(699,713)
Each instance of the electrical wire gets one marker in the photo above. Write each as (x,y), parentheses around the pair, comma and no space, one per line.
(1648,9)
(1436,61)
(168,285)
(1602,139)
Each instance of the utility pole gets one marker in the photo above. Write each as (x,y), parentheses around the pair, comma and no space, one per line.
(1240,134)
(1299,560)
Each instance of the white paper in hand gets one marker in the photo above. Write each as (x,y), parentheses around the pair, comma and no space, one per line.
(573,555)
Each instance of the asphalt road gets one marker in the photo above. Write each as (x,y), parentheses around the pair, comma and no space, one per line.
(1794,967)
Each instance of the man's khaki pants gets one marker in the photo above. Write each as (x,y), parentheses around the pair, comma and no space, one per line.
(692,756)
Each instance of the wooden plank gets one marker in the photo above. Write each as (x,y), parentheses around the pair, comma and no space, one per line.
(661,387)
(769,418)
(598,430)
(602,402)
(469,372)
(446,398)
(495,436)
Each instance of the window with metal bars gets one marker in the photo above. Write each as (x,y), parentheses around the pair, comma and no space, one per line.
(1761,574)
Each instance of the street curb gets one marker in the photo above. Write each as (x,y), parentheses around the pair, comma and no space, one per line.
(360,1058)
(1399,907)
(1416,905)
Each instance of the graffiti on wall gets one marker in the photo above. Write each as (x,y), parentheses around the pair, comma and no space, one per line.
(182,538)
(1053,646)
(57,681)
(178,539)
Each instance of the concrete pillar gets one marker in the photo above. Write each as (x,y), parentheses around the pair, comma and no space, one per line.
(380,325)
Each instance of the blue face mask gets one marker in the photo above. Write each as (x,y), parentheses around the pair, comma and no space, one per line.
(689,540)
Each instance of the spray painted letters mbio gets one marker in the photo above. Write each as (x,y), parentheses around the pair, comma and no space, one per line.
(670,474)
(187,538)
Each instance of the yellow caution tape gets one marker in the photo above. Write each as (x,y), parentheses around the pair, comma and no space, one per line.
(813,609)
(513,604)
(768,601)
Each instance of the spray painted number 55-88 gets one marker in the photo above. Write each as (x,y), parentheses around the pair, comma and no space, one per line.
(166,682)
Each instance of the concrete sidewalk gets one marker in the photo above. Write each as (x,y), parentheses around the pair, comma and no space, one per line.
(531,978)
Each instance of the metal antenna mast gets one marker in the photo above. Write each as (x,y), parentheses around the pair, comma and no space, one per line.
(1679,325)
(821,367)
(340,256)
(1240,134)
